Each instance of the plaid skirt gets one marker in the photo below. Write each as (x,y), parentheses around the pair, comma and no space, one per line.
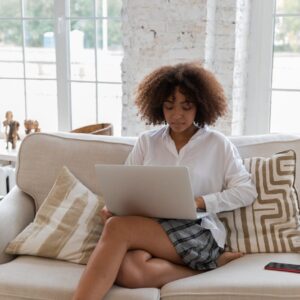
(193,243)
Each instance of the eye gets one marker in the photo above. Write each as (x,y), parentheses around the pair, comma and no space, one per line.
(168,105)
(187,105)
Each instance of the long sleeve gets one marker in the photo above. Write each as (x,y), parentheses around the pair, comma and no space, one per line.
(238,188)
(136,156)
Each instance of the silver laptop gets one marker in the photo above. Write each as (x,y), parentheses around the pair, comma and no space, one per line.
(151,191)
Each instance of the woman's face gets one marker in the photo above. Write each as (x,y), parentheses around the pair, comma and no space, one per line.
(179,112)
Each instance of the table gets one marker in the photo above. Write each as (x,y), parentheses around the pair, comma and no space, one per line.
(8,158)
(9,155)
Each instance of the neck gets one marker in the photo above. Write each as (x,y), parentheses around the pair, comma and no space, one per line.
(181,138)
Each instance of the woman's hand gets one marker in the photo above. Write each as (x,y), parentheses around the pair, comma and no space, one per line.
(200,203)
(105,214)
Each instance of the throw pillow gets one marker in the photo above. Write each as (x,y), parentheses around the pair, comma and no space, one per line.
(67,226)
(271,223)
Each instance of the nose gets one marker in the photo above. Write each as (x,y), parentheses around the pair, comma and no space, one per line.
(177,113)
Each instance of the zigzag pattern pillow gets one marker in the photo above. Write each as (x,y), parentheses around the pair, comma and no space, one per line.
(271,223)
(67,226)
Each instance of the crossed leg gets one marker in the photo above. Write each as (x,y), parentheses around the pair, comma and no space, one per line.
(112,258)
(140,269)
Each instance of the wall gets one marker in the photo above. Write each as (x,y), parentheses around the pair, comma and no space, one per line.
(160,32)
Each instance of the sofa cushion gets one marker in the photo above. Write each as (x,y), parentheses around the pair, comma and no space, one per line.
(37,278)
(270,223)
(265,145)
(42,155)
(67,226)
(241,279)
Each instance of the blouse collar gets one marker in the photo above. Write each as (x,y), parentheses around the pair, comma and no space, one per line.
(199,132)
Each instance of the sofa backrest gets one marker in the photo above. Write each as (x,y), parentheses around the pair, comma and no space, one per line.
(268,144)
(42,155)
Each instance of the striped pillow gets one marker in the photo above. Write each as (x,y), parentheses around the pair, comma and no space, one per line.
(270,223)
(67,225)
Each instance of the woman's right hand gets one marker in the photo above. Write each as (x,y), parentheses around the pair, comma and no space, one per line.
(105,214)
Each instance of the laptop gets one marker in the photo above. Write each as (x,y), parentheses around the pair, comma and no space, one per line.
(150,191)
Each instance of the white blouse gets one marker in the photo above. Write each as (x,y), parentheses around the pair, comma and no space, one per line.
(216,170)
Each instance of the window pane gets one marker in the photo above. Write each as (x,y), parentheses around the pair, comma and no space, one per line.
(99,7)
(11,55)
(109,8)
(100,25)
(287,34)
(286,63)
(286,71)
(10,9)
(108,58)
(11,40)
(285,110)
(12,98)
(40,8)
(42,103)
(82,53)
(11,70)
(83,104)
(40,52)
(114,8)
(110,105)
(287,6)
(82,8)
(114,35)
(109,65)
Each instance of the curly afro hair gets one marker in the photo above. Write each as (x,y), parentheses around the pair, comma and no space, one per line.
(197,84)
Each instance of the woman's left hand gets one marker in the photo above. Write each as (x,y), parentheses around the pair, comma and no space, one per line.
(200,202)
(105,214)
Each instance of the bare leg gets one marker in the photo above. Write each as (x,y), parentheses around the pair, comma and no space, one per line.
(121,234)
(227,257)
(140,269)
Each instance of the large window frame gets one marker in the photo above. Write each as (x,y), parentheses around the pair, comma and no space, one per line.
(259,89)
(272,94)
(62,20)
(63,66)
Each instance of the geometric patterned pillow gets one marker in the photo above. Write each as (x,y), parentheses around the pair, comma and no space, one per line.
(271,222)
(67,226)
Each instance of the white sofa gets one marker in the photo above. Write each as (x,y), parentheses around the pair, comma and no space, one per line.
(41,157)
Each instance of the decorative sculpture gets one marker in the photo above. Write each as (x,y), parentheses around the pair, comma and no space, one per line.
(31,125)
(11,130)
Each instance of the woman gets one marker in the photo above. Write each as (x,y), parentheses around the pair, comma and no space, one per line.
(143,252)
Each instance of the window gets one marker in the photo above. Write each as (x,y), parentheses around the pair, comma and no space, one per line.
(285,97)
(60,62)
(274,78)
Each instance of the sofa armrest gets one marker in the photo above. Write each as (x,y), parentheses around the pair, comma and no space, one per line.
(17,210)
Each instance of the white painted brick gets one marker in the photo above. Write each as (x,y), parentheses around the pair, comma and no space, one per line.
(225,42)
(191,13)
(188,25)
(162,32)
(225,29)
(227,3)
(225,55)
(226,15)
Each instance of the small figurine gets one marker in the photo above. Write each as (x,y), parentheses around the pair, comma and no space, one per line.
(6,122)
(11,130)
(31,125)
(36,126)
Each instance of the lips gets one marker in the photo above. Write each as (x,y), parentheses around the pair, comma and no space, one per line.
(177,124)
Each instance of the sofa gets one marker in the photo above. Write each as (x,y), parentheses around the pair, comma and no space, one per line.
(40,157)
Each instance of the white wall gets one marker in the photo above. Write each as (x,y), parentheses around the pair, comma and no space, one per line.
(160,32)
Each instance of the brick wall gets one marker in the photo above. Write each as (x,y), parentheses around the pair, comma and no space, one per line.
(160,32)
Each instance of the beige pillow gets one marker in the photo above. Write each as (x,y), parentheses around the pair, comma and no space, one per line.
(270,223)
(67,226)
